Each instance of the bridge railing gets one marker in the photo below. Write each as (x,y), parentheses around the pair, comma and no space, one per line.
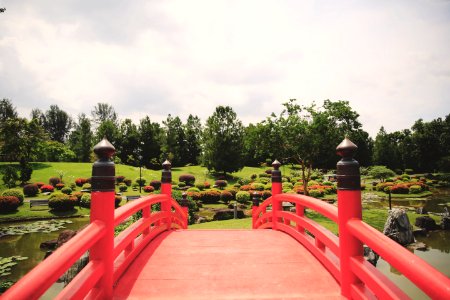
(108,256)
(343,256)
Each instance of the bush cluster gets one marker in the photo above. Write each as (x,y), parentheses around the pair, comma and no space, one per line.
(66,190)
(14,193)
(8,204)
(141,181)
(31,190)
(210,196)
(415,189)
(257,186)
(119,179)
(62,202)
(123,187)
(399,189)
(127,182)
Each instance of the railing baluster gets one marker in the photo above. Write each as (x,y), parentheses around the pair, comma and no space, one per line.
(276,189)
(166,188)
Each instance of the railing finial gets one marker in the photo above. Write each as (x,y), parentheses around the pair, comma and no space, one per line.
(166,176)
(103,170)
(348,177)
(276,164)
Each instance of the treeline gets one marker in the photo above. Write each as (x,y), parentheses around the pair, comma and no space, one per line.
(305,135)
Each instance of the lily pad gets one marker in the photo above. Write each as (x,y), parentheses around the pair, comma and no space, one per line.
(45,226)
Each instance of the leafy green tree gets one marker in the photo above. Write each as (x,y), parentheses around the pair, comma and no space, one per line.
(25,170)
(151,142)
(104,112)
(385,150)
(7,110)
(193,131)
(57,123)
(223,141)
(10,176)
(81,138)
(128,146)
(57,152)
(109,130)
(174,141)
(380,172)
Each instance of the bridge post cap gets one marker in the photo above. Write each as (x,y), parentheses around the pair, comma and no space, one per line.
(184,195)
(104,149)
(166,165)
(276,164)
(255,198)
(346,149)
(184,201)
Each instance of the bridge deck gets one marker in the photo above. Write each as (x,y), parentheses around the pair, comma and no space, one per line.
(226,264)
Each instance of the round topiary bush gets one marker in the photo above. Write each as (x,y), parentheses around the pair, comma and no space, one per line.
(127,182)
(257,186)
(15,193)
(210,196)
(287,186)
(200,186)
(66,190)
(123,187)
(8,204)
(156,184)
(80,181)
(54,181)
(149,189)
(400,189)
(141,181)
(31,190)
(415,189)
(39,184)
(46,188)
(188,179)
(120,179)
(316,193)
(117,200)
(77,195)
(181,184)
(242,197)
(85,200)
(226,196)
(193,189)
(61,202)
(59,186)
(86,186)
(266,194)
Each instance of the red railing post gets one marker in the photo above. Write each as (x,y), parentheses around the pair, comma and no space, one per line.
(166,188)
(276,189)
(255,200)
(184,205)
(349,207)
(102,209)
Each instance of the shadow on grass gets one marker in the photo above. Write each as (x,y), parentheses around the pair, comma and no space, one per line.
(40,165)
(66,213)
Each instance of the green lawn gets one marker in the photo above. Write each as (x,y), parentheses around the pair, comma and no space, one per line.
(25,213)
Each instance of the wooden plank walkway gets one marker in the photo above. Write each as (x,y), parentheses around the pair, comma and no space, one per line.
(226,264)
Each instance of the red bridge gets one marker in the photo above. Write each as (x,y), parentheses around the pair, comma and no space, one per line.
(286,255)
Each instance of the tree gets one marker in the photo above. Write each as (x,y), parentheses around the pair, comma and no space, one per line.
(192,149)
(380,172)
(109,130)
(128,146)
(151,142)
(174,142)
(80,139)
(7,110)
(104,112)
(57,123)
(223,141)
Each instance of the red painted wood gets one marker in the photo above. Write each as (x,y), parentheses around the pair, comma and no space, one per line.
(233,264)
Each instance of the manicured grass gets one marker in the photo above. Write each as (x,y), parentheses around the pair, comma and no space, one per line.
(25,213)
(245,223)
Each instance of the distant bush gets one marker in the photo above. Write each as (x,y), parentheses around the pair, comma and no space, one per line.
(123,187)
(200,185)
(243,197)
(226,196)
(257,186)
(141,181)
(409,171)
(117,200)
(148,189)
(66,190)
(266,194)
(210,196)
(253,176)
(30,190)
(312,182)
(127,182)
(195,195)
(265,174)
(39,184)
(8,204)
(193,189)
(15,193)
(85,200)
(181,184)
(156,184)
(399,189)
(80,181)
(287,186)
(316,193)
(207,184)
(243,181)
(77,195)
(415,189)
(189,179)
(363,186)
(120,179)
(61,202)
(329,183)
(246,187)
(60,186)
(221,183)
(54,181)
(264,180)
(86,186)
(46,188)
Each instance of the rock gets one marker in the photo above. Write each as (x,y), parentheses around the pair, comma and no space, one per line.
(398,228)
(421,211)
(64,236)
(419,246)
(49,244)
(371,256)
(426,222)
(420,232)
(445,223)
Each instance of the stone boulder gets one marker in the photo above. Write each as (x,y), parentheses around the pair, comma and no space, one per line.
(426,222)
(398,228)
(445,223)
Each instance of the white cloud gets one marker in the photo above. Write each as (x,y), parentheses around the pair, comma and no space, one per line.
(389,59)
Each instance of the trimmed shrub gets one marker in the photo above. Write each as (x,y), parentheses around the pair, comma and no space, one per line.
(329,183)
(86,186)
(60,186)
(120,179)
(46,188)
(8,204)
(188,179)
(39,184)
(264,180)
(246,187)
(66,190)
(243,197)
(257,186)
(266,175)
(77,195)
(181,184)
(193,189)
(226,196)
(61,202)
(210,196)
(15,193)
(30,190)
(415,189)
(287,186)
(127,182)
(266,194)
(316,193)
(123,187)
(140,181)
(156,184)
(243,181)
(85,200)
(405,177)
(80,181)
(399,189)
(221,183)
(200,186)
(117,200)
(195,195)
(268,186)
(207,184)
(54,181)
(312,182)
(149,189)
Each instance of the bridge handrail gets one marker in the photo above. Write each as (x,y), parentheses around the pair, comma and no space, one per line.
(39,279)
(432,282)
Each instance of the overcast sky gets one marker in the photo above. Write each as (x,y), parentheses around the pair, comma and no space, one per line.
(390,59)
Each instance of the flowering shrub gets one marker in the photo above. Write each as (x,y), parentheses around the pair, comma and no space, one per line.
(210,196)
(54,181)
(80,181)
(148,189)
(189,179)
(77,195)
(8,203)
(195,195)
(221,183)
(61,202)
(46,188)
(60,186)
(30,190)
(226,196)
(15,193)
(156,184)
(381,186)
(243,197)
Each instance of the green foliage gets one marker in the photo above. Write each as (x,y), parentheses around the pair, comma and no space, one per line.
(200,186)
(61,202)
(257,186)
(57,123)
(381,172)
(123,187)
(210,196)
(25,170)
(316,193)
(66,190)
(415,189)
(85,200)
(15,193)
(86,186)
(54,181)
(141,181)
(221,184)
(287,185)
(193,189)
(81,139)
(56,151)
(242,197)
(10,176)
